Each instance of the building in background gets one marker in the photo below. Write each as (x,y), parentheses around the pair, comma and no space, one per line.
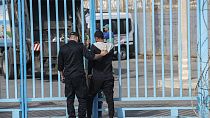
(130,4)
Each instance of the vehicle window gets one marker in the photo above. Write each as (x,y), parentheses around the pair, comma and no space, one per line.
(115,25)
(123,26)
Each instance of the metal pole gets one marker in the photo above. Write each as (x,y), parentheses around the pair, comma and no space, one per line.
(203,102)
(24,58)
(92,18)
(21,60)
(92,30)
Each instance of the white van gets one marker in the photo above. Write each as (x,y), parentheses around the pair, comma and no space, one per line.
(114,27)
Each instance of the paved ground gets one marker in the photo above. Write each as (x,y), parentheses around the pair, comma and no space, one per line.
(132,71)
(141,88)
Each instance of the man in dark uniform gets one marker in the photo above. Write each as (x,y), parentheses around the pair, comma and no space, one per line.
(71,67)
(102,76)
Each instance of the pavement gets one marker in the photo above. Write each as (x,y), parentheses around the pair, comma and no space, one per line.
(131,104)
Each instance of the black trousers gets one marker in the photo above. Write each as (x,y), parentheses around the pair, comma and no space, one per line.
(106,85)
(76,86)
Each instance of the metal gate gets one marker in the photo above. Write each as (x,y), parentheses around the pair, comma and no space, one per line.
(161,55)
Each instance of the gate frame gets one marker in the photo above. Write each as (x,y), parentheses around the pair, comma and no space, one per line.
(203,100)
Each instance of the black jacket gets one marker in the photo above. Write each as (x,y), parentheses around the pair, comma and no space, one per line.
(101,68)
(70,59)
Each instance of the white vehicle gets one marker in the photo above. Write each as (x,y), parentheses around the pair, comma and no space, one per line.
(8,31)
(114,29)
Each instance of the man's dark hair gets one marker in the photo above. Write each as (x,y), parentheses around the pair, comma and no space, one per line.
(74,33)
(99,34)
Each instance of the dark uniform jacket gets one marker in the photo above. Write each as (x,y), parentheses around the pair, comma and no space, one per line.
(70,59)
(102,68)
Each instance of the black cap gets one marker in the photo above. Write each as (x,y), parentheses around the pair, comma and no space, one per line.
(74,33)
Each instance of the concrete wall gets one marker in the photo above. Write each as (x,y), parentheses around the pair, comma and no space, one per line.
(193,29)
(158,37)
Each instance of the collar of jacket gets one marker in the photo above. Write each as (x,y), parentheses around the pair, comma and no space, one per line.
(72,41)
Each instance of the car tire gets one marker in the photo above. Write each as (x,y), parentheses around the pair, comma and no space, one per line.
(123,53)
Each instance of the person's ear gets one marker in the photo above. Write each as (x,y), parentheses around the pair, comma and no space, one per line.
(78,39)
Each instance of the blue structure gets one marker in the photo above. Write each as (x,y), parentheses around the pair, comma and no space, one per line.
(141,92)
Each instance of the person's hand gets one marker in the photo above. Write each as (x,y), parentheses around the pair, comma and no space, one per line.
(104,52)
(63,79)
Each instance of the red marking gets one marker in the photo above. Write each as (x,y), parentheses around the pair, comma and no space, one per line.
(36,47)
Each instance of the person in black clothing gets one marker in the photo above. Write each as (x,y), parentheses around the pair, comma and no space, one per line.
(102,76)
(71,67)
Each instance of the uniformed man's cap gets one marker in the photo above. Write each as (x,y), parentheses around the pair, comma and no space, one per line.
(106,26)
(74,33)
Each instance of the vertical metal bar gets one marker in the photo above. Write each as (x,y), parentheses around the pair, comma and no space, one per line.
(74,18)
(189,51)
(83,21)
(14,47)
(65,20)
(154,48)
(171,49)
(145,49)
(66,111)
(21,61)
(127,51)
(198,38)
(83,31)
(15,114)
(162,48)
(136,48)
(49,46)
(93,19)
(101,12)
(180,45)
(24,59)
(95,107)
(203,85)
(174,113)
(119,50)
(5,49)
(198,46)
(93,29)
(120,111)
(58,44)
(198,42)
(41,48)
(32,49)
(110,20)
